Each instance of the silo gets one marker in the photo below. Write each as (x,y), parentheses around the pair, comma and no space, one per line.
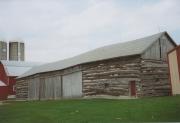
(3,50)
(16,51)
(21,48)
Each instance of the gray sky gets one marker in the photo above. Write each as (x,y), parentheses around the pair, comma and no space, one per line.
(58,29)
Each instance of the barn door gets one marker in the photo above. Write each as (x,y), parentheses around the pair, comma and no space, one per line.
(57,87)
(133,88)
(42,89)
(50,88)
(72,85)
(33,93)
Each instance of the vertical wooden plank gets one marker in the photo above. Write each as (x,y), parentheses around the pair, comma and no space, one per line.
(66,86)
(37,88)
(49,88)
(57,87)
(72,85)
(42,89)
(29,90)
(33,89)
(159,49)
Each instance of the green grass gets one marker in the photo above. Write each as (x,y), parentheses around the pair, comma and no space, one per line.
(92,111)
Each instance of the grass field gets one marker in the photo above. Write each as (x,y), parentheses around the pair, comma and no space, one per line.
(92,111)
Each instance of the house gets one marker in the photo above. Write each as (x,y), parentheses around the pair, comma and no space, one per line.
(174,69)
(9,70)
(133,69)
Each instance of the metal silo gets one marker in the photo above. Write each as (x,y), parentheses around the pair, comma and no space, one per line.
(16,51)
(22,54)
(3,50)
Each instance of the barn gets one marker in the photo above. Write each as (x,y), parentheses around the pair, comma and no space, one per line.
(174,69)
(9,70)
(135,68)
(3,91)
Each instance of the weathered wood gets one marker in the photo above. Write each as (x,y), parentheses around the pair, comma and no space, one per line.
(159,49)
(111,77)
(33,89)
(21,89)
(108,77)
(154,78)
(72,85)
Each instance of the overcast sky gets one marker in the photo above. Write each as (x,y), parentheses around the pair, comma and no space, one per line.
(58,29)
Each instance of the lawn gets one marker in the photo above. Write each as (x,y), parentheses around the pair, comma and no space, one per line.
(92,111)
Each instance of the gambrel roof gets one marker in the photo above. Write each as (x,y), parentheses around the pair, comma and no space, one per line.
(129,48)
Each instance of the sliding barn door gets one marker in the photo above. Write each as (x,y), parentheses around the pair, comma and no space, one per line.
(33,93)
(50,88)
(72,85)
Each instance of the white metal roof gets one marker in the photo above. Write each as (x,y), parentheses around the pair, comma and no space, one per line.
(17,68)
(134,47)
(2,83)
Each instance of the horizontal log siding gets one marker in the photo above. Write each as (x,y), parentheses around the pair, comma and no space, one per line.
(154,78)
(21,89)
(111,77)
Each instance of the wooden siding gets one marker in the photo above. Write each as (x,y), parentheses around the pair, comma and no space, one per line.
(33,87)
(159,49)
(174,72)
(108,77)
(154,77)
(22,89)
(72,85)
(111,77)
(44,86)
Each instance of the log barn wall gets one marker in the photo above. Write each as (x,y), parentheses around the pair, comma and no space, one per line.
(111,77)
(108,77)
(148,69)
(22,89)
(154,78)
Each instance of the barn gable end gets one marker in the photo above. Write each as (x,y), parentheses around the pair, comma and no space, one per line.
(159,49)
(154,67)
